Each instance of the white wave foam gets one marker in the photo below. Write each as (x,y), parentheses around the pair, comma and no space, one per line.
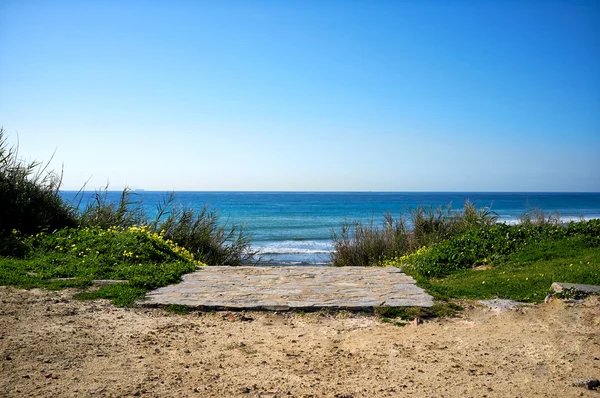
(295,247)
(561,220)
(290,250)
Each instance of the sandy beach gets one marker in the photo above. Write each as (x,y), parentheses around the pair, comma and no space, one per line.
(52,345)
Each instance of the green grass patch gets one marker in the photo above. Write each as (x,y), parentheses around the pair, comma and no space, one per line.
(144,259)
(177,309)
(440,309)
(525,275)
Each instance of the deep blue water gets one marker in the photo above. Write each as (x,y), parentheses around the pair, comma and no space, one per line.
(295,227)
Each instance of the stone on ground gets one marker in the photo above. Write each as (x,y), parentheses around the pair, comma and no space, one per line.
(285,288)
(559,287)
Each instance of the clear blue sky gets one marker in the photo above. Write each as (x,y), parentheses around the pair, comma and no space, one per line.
(306,95)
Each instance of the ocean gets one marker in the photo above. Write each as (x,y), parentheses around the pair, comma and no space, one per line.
(294,228)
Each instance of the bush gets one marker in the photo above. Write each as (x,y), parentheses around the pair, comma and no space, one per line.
(209,242)
(30,203)
(199,232)
(488,244)
(101,213)
(364,245)
(29,199)
(142,258)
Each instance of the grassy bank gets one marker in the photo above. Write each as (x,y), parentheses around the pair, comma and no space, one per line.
(466,253)
(47,242)
(518,262)
(75,257)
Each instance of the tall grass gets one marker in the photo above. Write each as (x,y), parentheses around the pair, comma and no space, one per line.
(200,232)
(359,244)
(29,195)
(102,213)
(539,217)
(30,203)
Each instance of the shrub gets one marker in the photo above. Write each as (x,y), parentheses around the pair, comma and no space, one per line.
(199,232)
(144,259)
(488,244)
(210,242)
(539,217)
(30,203)
(363,245)
(101,213)
(29,199)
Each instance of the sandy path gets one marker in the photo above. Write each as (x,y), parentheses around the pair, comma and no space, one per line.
(52,345)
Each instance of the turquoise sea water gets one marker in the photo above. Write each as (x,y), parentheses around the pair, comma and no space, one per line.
(295,227)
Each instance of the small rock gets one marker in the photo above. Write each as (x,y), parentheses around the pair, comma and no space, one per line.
(590,383)
(246,390)
(500,304)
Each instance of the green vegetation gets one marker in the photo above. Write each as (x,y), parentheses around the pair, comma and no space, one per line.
(440,309)
(358,244)
(490,244)
(525,275)
(469,255)
(45,242)
(518,262)
(144,259)
(29,199)
(199,232)
(178,309)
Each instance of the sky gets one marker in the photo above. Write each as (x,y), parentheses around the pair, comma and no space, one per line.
(306,95)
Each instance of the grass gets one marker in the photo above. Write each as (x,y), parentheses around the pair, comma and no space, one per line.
(29,198)
(527,274)
(145,259)
(46,242)
(178,309)
(440,309)
(359,244)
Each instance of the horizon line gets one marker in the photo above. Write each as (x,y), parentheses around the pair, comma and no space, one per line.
(317,191)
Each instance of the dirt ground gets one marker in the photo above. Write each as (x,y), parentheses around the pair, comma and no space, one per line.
(54,346)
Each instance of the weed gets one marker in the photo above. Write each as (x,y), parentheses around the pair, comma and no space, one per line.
(29,198)
(366,245)
(145,260)
(525,275)
(440,309)
(177,309)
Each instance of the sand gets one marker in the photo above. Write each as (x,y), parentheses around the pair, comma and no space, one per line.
(52,345)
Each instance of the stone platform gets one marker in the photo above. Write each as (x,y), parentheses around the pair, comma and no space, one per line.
(284,288)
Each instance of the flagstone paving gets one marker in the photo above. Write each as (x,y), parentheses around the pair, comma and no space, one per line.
(285,288)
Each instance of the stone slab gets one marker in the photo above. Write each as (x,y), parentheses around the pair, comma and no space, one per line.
(588,289)
(285,288)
